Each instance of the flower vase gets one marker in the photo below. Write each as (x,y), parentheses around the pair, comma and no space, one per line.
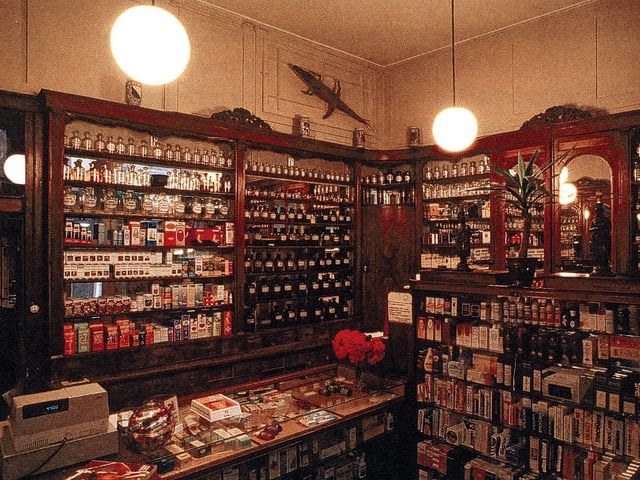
(358,376)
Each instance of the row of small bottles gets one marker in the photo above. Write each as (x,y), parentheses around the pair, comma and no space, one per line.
(384,196)
(128,174)
(267,262)
(387,178)
(522,350)
(90,199)
(437,172)
(292,170)
(592,317)
(280,314)
(313,192)
(457,189)
(300,214)
(151,149)
(302,235)
(265,289)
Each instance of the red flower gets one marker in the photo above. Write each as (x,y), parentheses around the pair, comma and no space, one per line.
(357,347)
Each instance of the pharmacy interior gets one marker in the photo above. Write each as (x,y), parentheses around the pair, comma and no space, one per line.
(245,294)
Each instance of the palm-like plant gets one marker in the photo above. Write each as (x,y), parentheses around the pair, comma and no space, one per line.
(523,187)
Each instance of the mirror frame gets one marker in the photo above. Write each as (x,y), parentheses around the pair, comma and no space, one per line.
(608,146)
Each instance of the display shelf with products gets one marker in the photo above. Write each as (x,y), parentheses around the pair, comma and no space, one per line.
(299,240)
(453,196)
(635,204)
(527,381)
(391,187)
(149,238)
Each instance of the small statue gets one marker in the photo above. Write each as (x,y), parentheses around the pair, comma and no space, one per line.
(463,242)
(601,240)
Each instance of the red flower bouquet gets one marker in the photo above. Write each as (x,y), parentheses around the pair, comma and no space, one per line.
(357,347)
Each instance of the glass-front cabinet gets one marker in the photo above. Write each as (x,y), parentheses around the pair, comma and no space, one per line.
(148,238)
(456,210)
(300,238)
(510,229)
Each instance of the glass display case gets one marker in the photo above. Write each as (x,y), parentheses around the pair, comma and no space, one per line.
(149,238)
(453,196)
(299,240)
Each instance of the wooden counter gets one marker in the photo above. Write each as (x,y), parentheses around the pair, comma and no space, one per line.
(358,418)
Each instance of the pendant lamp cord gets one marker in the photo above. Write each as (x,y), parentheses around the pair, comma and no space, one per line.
(453,52)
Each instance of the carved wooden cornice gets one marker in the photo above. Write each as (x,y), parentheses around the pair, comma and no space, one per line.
(558,114)
(241,116)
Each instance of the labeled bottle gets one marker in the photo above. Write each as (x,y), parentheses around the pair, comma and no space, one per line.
(277,315)
(303,313)
(290,314)
(250,319)
(331,310)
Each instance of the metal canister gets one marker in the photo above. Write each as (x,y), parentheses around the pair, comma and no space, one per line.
(304,126)
(358,138)
(413,136)
(133,93)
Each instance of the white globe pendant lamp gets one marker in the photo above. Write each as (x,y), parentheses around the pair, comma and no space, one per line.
(150,45)
(454,128)
(15,168)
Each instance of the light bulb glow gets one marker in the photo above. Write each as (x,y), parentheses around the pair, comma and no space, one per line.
(455,129)
(15,168)
(564,175)
(150,45)
(567,194)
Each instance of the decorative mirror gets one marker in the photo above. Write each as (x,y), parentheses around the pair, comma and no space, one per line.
(583,182)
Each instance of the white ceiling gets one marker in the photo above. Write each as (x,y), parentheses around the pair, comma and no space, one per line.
(386,32)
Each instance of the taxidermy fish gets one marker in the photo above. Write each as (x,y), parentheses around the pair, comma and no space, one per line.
(329,95)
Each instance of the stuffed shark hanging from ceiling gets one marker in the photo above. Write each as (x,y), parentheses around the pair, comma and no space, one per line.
(329,95)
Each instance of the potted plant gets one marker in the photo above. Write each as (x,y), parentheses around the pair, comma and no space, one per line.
(523,188)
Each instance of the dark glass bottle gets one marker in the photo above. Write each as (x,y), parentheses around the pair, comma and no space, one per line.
(250,319)
(345,307)
(287,288)
(279,263)
(318,311)
(312,263)
(302,287)
(251,291)
(276,288)
(269,265)
(248,263)
(314,286)
(258,264)
(331,310)
(290,264)
(301,262)
(303,313)
(290,314)
(264,289)
(277,315)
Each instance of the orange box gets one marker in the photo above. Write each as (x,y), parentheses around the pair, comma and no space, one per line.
(111,337)
(96,336)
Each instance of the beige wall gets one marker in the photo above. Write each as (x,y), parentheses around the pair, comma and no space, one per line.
(588,56)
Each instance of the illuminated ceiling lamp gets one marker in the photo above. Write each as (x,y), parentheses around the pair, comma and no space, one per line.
(454,128)
(15,168)
(150,45)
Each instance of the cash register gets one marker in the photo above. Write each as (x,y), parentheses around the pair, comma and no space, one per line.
(54,429)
